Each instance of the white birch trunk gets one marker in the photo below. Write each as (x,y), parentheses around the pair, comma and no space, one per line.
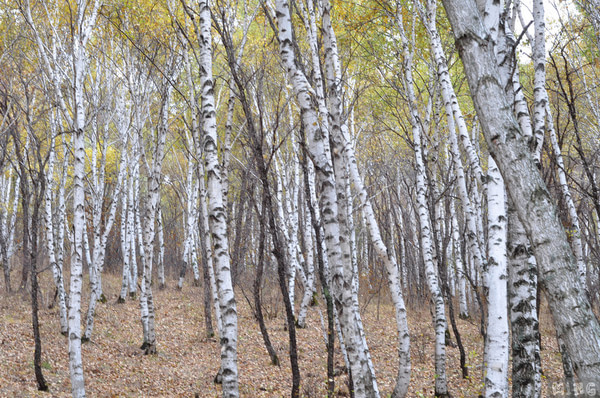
(571,310)
(161,249)
(289,215)
(309,261)
(153,197)
(209,250)
(441,388)
(539,79)
(133,226)
(9,219)
(459,266)
(364,382)
(497,337)
(125,241)
(100,234)
(216,211)
(50,233)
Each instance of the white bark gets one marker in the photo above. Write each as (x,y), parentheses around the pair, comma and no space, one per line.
(453,113)
(571,310)
(459,266)
(290,219)
(216,210)
(190,220)
(209,250)
(497,337)
(318,147)
(161,248)
(85,18)
(98,189)
(441,388)
(153,197)
(125,247)
(50,233)
(539,81)
(8,226)
(309,262)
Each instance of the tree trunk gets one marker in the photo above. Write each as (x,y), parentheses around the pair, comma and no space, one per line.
(216,211)
(571,310)
(496,344)
(441,388)
(256,288)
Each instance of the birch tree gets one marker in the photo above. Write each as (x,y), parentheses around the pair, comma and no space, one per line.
(153,197)
(101,230)
(441,388)
(496,353)
(216,212)
(51,244)
(364,382)
(575,322)
(83,21)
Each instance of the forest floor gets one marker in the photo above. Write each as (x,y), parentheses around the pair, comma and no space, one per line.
(187,361)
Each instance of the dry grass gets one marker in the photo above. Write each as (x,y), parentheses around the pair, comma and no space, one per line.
(187,361)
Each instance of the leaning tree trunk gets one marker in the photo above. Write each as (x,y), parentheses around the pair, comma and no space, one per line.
(257,285)
(576,323)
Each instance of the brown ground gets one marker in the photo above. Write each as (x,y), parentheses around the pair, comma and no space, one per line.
(187,361)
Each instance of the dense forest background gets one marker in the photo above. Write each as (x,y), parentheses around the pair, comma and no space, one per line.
(353,179)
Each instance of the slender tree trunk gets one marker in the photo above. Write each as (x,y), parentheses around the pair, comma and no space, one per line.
(216,212)
(309,285)
(125,242)
(257,285)
(496,344)
(364,383)
(31,198)
(162,284)
(206,253)
(152,202)
(316,225)
(50,244)
(441,388)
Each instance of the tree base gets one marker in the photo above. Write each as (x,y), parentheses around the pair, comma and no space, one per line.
(102,299)
(162,286)
(150,349)
(219,377)
(196,282)
(120,300)
(132,295)
(275,361)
